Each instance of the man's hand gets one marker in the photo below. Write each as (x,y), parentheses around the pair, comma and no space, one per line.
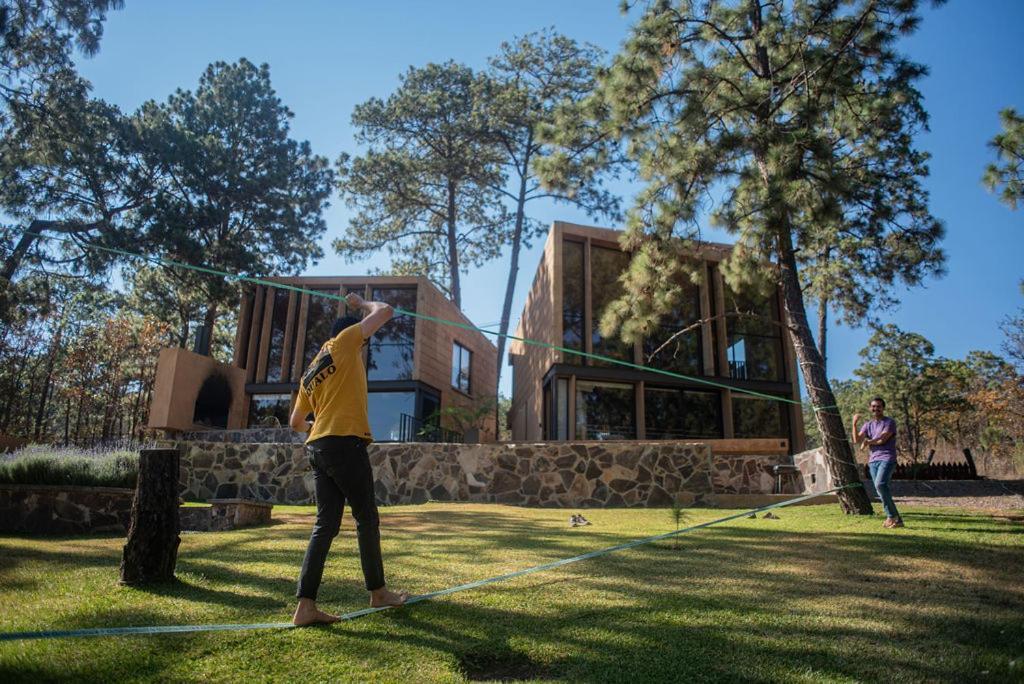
(856,417)
(354,301)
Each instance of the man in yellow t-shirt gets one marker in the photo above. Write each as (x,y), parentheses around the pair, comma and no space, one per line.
(333,390)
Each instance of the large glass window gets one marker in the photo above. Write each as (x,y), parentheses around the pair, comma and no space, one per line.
(462,361)
(269,410)
(668,349)
(678,413)
(607,265)
(605,410)
(754,416)
(754,343)
(278,323)
(562,402)
(391,349)
(385,412)
(572,297)
(547,424)
(320,315)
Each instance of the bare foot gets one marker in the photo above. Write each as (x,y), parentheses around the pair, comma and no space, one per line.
(379,598)
(308,614)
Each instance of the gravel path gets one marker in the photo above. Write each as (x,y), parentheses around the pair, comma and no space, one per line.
(982,495)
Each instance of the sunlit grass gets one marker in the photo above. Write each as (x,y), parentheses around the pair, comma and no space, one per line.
(814,596)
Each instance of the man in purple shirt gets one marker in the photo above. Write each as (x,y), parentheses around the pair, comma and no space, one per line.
(879,435)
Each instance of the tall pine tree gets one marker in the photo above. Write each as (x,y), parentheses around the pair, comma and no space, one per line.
(424,188)
(791,125)
(1006,175)
(525,83)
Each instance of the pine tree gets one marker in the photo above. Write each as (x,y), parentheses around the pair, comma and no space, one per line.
(1006,176)
(237,192)
(791,125)
(424,189)
(525,83)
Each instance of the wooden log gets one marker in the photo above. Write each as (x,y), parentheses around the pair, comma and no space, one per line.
(151,550)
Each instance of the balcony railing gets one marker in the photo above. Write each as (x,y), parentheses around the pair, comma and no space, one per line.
(412,429)
(604,431)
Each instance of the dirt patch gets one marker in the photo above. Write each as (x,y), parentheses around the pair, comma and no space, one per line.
(988,504)
(489,663)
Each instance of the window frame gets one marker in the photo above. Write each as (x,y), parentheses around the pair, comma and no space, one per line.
(457,372)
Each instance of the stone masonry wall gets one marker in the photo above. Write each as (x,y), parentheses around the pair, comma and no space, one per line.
(752,474)
(580,475)
(47,509)
(814,470)
(589,474)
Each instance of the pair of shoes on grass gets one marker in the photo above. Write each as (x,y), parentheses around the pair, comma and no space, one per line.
(577,520)
(890,523)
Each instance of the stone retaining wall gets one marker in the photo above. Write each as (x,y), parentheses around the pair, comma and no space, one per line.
(814,470)
(582,474)
(579,475)
(48,509)
(752,474)
(224,514)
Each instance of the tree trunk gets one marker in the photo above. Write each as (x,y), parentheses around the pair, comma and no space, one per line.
(510,288)
(67,420)
(151,550)
(78,418)
(48,382)
(823,333)
(830,423)
(453,250)
(13,260)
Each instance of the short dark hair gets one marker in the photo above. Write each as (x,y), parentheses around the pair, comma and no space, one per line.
(342,323)
(880,400)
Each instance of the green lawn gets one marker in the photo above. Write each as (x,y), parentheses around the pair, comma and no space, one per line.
(814,596)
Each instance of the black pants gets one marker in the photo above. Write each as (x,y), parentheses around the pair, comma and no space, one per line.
(341,472)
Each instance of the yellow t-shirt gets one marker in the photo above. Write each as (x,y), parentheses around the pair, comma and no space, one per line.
(333,388)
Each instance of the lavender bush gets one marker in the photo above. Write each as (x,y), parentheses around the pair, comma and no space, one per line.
(111,465)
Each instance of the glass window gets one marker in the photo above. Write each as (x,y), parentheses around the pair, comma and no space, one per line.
(547,427)
(759,417)
(754,342)
(321,313)
(278,322)
(390,353)
(462,360)
(572,297)
(683,353)
(269,410)
(385,412)
(678,413)
(562,398)
(607,265)
(605,410)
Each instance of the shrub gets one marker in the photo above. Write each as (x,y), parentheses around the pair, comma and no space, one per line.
(42,465)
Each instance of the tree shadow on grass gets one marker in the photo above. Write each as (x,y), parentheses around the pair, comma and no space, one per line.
(744,602)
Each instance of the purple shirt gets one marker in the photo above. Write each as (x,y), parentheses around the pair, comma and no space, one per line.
(873,429)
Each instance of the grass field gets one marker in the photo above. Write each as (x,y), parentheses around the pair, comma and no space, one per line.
(814,596)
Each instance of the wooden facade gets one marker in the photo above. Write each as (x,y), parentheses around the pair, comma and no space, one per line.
(704,388)
(409,361)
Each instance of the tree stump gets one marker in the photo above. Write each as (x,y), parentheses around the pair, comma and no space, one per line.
(151,550)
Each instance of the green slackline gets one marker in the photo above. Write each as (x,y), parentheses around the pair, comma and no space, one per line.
(178,629)
(465,326)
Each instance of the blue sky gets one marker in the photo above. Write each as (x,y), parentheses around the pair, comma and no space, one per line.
(326,57)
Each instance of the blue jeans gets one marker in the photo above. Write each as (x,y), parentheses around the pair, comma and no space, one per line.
(881,474)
